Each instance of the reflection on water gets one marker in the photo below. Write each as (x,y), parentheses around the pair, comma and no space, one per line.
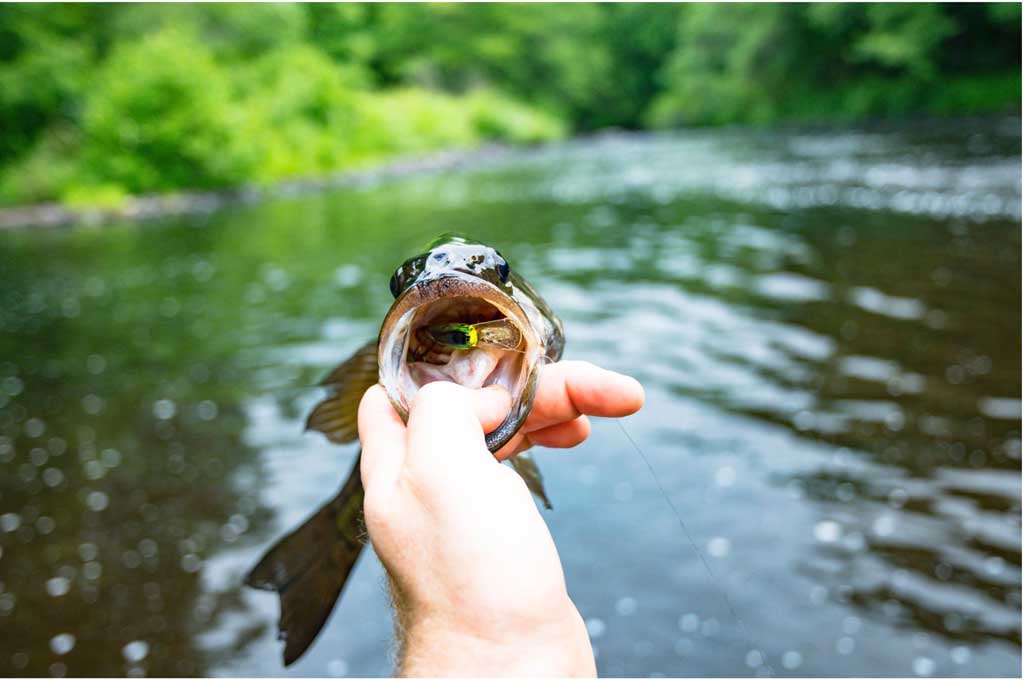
(828,326)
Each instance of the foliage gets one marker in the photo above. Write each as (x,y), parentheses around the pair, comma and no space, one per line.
(160,117)
(769,62)
(296,125)
(102,100)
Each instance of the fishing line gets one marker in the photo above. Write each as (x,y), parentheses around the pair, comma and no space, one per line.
(700,554)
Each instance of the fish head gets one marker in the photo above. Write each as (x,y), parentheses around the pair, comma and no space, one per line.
(457,280)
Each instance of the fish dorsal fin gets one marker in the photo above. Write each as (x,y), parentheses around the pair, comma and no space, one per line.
(336,415)
(528,471)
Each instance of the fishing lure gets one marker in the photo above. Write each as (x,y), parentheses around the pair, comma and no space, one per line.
(499,333)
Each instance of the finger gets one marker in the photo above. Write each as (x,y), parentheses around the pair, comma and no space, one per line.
(519,443)
(492,405)
(568,389)
(444,431)
(382,435)
(562,435)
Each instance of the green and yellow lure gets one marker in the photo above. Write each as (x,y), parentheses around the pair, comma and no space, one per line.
(499,333)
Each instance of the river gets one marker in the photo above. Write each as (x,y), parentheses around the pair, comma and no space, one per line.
(827,323)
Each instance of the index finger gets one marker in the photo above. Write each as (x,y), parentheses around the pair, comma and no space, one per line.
(568,389)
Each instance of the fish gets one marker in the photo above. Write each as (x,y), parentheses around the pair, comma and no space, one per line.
(460,314)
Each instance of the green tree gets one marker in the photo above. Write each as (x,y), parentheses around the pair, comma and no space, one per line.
(161,117)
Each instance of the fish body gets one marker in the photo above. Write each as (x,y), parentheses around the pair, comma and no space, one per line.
(460,314)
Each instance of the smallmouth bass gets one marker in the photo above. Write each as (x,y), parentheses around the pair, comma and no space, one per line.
(460,314)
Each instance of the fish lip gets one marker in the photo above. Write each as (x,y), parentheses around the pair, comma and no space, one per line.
(451,285)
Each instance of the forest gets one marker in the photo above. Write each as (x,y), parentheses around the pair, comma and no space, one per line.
(102,101)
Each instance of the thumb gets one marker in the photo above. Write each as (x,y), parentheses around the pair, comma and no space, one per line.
(447,422)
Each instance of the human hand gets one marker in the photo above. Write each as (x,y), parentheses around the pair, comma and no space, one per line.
(477,581)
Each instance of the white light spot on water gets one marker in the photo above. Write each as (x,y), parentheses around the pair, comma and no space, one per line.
(924,666)
(148,548)
(52,477)
(39,456)
(845,645)
(88,551)
(12,385)
(625,606)
(164,409)
(190,562)
(689,622)
(35,427)
(206,410)
(92,404)
(111,458)
(239,522)
(827,531)
(58,586)
(792,659)
(337,667)
(92,571)
(1000,408)
(883,525)
(136,651)
(9,522)
(994,565)
(754,659)
(131,559)
(623,491)
(45,525)
(97,501)
(93,470)
(960,654)
(595,627)
(718,547)
(61,644)
(725,476)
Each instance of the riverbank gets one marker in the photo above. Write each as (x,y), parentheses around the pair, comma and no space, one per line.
(51,215)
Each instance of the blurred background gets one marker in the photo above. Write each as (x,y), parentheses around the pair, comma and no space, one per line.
(798,225)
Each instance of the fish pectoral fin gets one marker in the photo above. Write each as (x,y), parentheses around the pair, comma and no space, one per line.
(528,471)
(336,415)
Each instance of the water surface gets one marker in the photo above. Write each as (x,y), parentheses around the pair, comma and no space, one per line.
(827,324)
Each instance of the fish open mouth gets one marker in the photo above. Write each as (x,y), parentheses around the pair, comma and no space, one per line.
(459,329)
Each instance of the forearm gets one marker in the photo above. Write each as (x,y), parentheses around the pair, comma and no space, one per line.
(434,648)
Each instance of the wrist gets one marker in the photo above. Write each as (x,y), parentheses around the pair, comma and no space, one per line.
(555,644)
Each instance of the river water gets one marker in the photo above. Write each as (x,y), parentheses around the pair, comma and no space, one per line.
(827,323)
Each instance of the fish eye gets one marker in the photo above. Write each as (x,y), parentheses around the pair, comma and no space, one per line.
(503,269)
(395,285)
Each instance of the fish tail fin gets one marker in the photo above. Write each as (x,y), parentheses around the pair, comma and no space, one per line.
(308,568)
